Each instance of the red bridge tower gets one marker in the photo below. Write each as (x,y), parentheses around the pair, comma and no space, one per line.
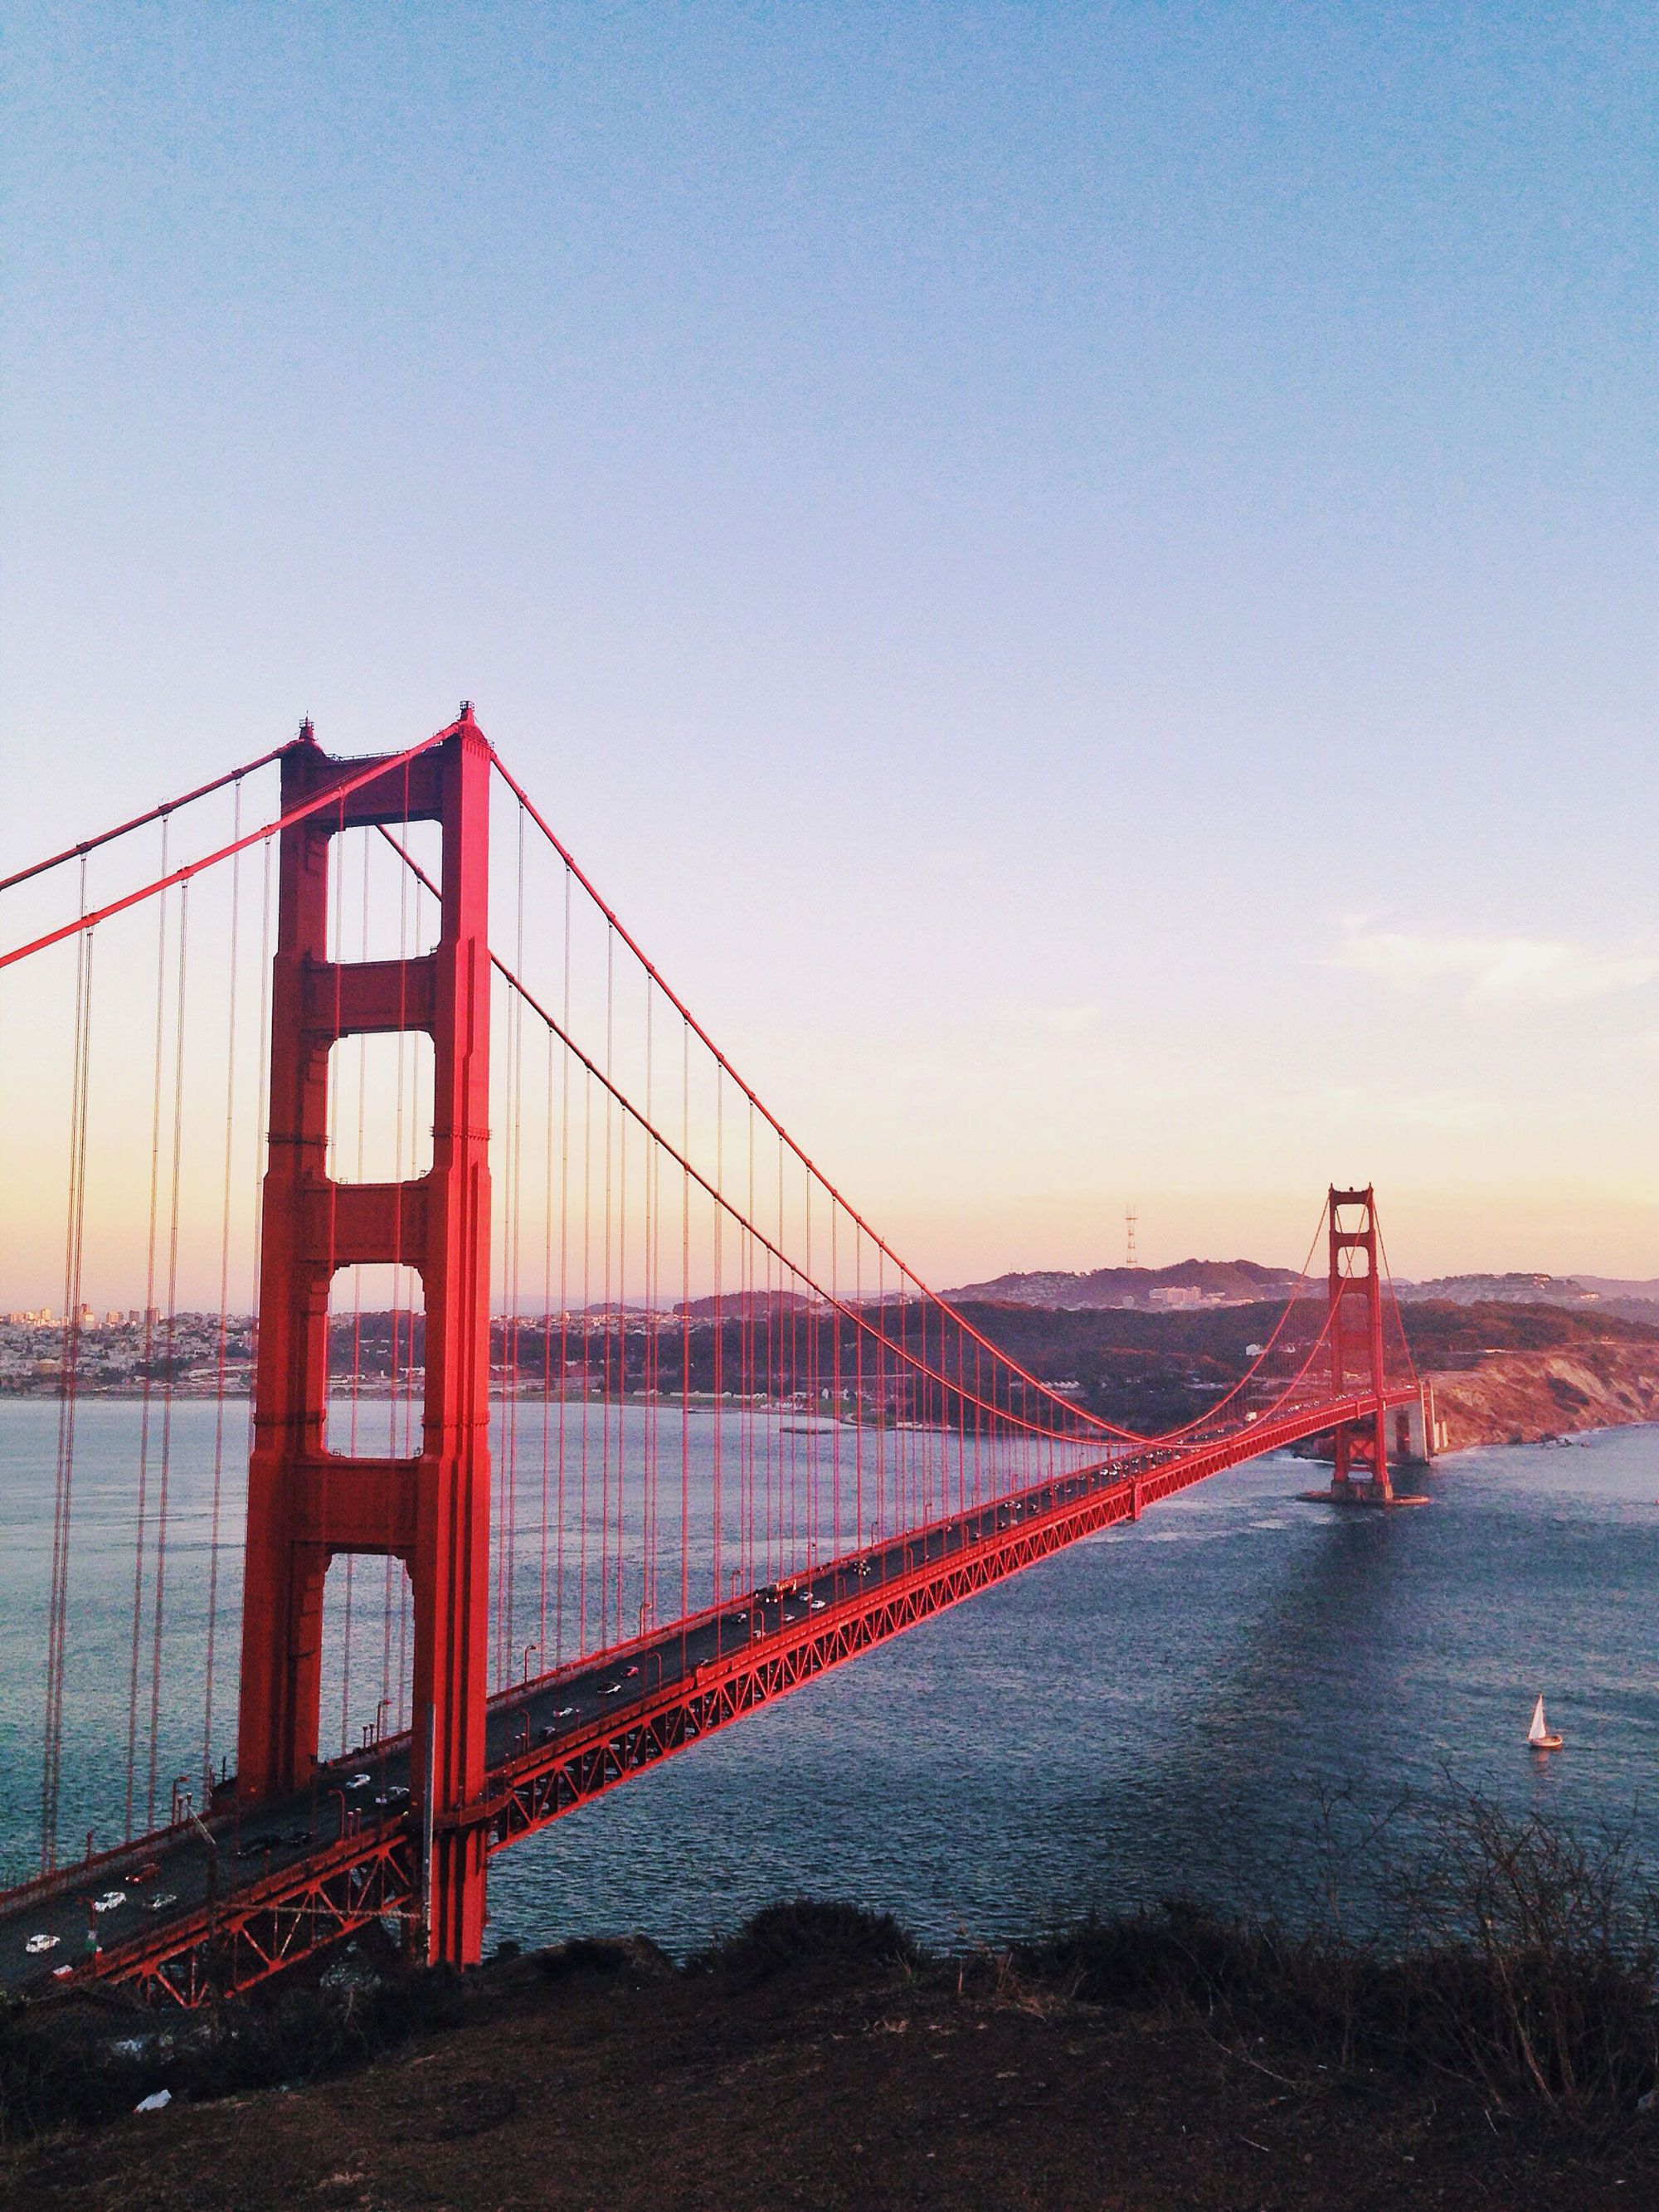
(307,1504)
(1356,1362)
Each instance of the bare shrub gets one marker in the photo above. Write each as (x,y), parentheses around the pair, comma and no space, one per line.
(807,1933)
(1513,1954)
(1532,1959)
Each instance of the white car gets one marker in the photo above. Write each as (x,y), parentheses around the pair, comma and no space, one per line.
(38,1944)
(359,1782)
(109,1900)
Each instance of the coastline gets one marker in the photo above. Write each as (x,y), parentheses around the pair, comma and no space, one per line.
(1532,1397)
(1502,1396)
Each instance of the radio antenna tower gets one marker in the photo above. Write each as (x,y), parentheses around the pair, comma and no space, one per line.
(1129,1258)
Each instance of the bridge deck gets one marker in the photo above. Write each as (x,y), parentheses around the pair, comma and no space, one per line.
(227,1904)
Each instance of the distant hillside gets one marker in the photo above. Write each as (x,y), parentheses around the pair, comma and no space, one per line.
(1636,1301)
(737,1305)
(1215,1282)
(1446,1333)
(1150,1370)
(1501,1290)
(1241,1282)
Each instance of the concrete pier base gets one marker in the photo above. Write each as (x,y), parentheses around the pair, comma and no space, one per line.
(1361,1494)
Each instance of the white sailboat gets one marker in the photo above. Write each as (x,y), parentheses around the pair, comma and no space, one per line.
(1538,1736)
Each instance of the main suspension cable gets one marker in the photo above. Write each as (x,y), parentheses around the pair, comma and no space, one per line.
(168,806)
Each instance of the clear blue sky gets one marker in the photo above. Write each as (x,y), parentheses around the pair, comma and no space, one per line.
(1086,573)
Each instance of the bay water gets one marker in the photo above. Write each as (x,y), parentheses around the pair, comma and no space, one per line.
(1201,1703)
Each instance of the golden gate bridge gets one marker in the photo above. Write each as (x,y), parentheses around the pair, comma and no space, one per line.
(587,1415)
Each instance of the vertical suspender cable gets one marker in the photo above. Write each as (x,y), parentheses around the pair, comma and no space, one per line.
(58,1608)
(224,1312)
(168,1382)
(836,1400)
(865,1402)
(751,1569)
(500,1191)
(391,1702)
(587,1343)
(150,1334)
(260,1092)
(811,1325)
(415,1364)
(719,1325)
(336,876)
(606,1316)
(356,1321)
(621,1356)
(564,1280)
(653,1286)
(686,1331)
(548,1657)
(510,1270)
(883,1396)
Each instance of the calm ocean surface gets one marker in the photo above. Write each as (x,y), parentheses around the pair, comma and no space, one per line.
(1159,1708)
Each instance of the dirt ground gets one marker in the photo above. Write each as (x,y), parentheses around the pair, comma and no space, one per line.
(887,2089)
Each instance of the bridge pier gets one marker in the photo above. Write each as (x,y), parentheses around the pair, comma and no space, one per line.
(1419,1433)
(1361,1461)
(308,1505)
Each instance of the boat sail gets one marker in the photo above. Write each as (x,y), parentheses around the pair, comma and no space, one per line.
(1539,1735)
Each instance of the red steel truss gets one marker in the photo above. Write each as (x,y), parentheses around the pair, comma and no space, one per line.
(279,1922)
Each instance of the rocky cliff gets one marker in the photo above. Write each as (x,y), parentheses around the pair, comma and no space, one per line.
(1519,1397)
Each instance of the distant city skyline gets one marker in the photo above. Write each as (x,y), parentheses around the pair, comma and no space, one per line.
(1083,578)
